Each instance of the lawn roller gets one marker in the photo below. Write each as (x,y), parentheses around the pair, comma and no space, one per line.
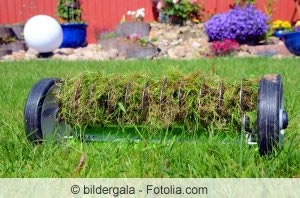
(196,102)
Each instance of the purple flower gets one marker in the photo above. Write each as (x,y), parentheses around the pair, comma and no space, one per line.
(243,24)
(297,29)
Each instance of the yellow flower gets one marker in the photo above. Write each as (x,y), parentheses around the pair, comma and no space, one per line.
(286,25)
(298,23)
(275,26)
(196,21)
(279,24)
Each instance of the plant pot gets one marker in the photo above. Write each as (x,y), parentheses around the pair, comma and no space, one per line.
(175,20)
(164,18)
(135,27)
(279,33)
(74,35)
(292,42)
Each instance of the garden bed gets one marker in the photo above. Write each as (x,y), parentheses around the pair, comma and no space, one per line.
(169,41)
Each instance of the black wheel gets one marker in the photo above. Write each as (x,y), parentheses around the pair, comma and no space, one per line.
(40,110)
(271,118)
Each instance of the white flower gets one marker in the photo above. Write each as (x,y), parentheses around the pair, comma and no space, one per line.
(140,13)
(129,12)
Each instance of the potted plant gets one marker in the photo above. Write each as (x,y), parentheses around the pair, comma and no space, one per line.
(74,29)
(292,40)
(133,23)
(280,27)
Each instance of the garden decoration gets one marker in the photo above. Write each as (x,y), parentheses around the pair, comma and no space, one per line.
(43,33)
(292,40)
(57,108)
(74,29)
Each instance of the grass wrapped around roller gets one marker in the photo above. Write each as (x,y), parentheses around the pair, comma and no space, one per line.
(195,101)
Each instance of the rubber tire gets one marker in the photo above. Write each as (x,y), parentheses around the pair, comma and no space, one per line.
(269,100)
(33,108)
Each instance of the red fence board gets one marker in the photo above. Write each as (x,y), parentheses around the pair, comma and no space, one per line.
(104,15)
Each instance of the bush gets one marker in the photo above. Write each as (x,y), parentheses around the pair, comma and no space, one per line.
(69,11)
(243,24)
(180,10)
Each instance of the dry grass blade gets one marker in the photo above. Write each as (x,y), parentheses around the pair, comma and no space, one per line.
(189,100)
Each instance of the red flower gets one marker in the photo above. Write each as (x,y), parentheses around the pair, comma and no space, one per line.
(223,48)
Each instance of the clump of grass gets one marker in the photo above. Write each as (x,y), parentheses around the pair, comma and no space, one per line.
(195,101)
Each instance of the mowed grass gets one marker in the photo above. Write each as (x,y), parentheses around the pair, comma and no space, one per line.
(212,155)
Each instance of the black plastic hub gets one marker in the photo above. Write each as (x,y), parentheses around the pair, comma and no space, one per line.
(285,120)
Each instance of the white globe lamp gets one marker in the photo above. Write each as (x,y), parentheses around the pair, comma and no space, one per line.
(43,33)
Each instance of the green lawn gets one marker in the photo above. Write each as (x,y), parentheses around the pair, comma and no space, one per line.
(211,156)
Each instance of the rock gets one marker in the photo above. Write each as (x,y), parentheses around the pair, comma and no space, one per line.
(189,23)
(129,49)
(188,35)
(204,51)
(93,47)
(88,55)
(273,40)
(279,56)
(130,28)
(4,52)
(66,51)
(269,50)
(121,57)
(78,50)
(200,26)
(113,53)
(6,32)
(174,43)
(18,31)
(177,52)
(15,46)
(57,56)
(7,58)
(72,57)
(153,34)
(244,48)
(171,35)
(30,56)
(102,56)
(32,51)
(184,29)
(195,44)
(19,55)
(243,54)
(191,55)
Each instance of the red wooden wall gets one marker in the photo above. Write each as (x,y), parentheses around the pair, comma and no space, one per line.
(103,15)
